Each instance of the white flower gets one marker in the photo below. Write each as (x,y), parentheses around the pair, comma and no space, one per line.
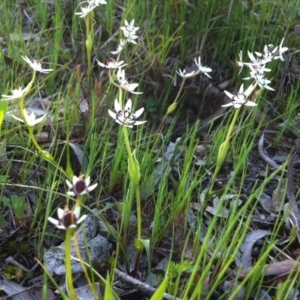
(264,83)
(30,120)
(91,5)
(96,2)
(258,63)
(124,84)
(124,116)
(129,29)
(67,219)
(120,47)
(267,55)
(121,76)
(80,186)
(85,10)
(16,94)
(280,51)
(132,38)
(271,52)
(240,98)
(184,74)
(130,87)
(258,76)
(200,67)
(112,64)
(35,65)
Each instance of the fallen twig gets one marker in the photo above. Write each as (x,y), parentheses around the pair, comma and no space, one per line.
(264,155)
(141,286)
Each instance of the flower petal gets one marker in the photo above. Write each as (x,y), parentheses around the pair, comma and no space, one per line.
(128,105)
(139,112)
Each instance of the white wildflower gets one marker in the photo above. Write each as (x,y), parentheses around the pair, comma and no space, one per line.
(240,98)
(112,64)
(67,219)
(30,119)
(124,116)
(80,186)
(15,94)
(35,65)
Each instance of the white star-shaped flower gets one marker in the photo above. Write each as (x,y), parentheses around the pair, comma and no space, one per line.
(131,38)
(124,116)
(91,5)
(124,84)
(112,64)
(80,186)
(129,28)
(67,219)
(96,2)
(129,31)
(184,74)
(35,65)
(15,94)
(258,76)
(280,51)
(85,10)
(30,119)
(120,47)
(240,98)
(199,69)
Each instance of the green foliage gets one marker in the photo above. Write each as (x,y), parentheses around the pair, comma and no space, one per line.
(17,204)
(172,33)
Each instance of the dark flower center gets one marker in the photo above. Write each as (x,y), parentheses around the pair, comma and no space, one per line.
(68,219)
(79,187)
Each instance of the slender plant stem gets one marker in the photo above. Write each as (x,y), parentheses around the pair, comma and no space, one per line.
(139,210)
(134,181)
(161,125)
(69,274)
(89,43)
(224,148)
(84,268)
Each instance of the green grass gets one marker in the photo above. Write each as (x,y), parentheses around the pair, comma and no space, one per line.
(171,34)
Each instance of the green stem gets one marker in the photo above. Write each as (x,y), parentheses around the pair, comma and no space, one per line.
(138,209)
(33,139)
(84,268)
(224,149)
(127,144)
(135,183)
(161,125)
(225,145)
(44,154)
(89,43)
(69,274)
(21,99)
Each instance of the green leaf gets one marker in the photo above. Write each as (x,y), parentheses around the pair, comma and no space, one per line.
(3,109)
(6,202)
(159,294)
(108,294)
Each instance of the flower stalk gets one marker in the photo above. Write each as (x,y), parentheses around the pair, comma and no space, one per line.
(134,173)
(29,119)
(69,220)
(257,68)
(69,274)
